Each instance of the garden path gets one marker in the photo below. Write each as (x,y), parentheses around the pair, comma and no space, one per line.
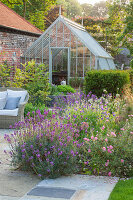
(17,185)
(13,184)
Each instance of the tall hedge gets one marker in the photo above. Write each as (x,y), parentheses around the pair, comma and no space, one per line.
(111,80)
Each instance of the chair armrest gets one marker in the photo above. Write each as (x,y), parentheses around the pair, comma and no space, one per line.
(22,104)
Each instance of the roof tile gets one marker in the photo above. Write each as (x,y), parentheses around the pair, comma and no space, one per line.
(10,19)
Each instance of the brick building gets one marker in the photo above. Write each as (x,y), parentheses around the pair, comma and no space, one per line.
(16,35)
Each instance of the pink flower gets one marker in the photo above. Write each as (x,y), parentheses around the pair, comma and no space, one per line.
(106,140)
(122,161)
(89,150)
(104,148)
(103,127)
(96,138)
(109,174)
(122,129)
(86,163)
(111,147)
(85,139)
(107,163)
(113,134)
(92,137)
(131,133)
(109,151)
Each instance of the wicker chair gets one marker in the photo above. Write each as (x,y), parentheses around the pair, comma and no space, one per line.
(6,121)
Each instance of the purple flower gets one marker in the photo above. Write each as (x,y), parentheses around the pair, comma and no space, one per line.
(51,163)
(38,155)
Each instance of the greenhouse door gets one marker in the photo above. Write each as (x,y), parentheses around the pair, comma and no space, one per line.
(59,64)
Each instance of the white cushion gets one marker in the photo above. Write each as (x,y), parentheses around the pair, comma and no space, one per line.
(3,94)
(2,103)
(21,94)
(9,112)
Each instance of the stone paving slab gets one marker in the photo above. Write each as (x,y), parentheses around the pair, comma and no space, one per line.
(8,198)
(87,187)
(56,192)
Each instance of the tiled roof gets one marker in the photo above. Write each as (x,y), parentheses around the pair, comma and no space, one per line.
(10,19)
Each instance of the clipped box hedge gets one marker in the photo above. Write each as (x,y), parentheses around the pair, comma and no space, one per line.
(98,80)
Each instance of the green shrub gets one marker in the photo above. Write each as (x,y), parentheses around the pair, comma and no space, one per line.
(65,89)
(112,81)
(131,64)
(30,108)
(33,78)
(5,75)
(110,154)
(131,78)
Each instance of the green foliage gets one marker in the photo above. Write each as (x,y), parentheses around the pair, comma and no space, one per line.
(131,64)
(123,190)
(65,89)
(126,35)
(59,89)
(30,108)
(5,75)
(131,78)
(110,80)
(110,154)
(36,82)
(34,78)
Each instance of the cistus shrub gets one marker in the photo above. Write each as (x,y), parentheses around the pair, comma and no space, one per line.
(110,154)
(112,81)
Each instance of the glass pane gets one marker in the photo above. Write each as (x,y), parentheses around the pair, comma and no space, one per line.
(80,67)
(86,52)
(92,62)
(53,36)
(73,67)
(86,64)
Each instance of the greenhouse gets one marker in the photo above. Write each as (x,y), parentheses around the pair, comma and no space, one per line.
(69,51)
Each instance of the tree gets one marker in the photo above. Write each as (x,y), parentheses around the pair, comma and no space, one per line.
(72,7)
(32,10)
(116,16)
(86,9)
(99,9)
(126,36)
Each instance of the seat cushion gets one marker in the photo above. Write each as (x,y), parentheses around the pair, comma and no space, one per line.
(12,103)
(3,94)
(21,94)
(2,103)
(9,112)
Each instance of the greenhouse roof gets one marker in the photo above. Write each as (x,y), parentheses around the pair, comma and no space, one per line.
(79,31)
(86,38)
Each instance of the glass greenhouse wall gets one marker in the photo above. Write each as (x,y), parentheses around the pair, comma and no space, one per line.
(64,47)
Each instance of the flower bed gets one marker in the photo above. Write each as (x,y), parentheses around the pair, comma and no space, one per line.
(84,134)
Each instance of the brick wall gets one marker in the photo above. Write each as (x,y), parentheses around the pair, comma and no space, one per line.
(13,45)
